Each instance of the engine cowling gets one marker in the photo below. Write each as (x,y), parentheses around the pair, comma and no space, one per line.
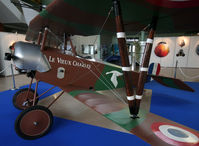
(28,56)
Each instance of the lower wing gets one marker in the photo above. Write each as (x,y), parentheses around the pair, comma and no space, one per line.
(145,127)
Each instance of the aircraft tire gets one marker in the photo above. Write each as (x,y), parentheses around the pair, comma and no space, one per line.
(20,97)
(34,122)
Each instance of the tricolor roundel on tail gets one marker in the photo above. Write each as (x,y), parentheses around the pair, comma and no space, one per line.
(154,69)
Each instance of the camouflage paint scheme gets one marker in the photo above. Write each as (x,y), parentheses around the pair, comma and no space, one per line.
(83,77)
(118,112)
(82,82)
(175,17)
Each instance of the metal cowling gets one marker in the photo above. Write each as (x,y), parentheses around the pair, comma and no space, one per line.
(28,56)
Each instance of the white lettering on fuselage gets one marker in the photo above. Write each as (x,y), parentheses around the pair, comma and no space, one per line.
(51,59)
(62,61)
(81,64)
(69,62)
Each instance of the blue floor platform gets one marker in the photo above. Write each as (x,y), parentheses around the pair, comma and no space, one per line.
(176,105)
(63,133)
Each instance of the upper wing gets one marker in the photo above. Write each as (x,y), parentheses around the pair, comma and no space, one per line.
(86,17)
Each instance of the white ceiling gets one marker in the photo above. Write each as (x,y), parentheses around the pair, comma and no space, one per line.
(9,13)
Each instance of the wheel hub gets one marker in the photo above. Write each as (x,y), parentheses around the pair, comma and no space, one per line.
(25,103)
(35,123)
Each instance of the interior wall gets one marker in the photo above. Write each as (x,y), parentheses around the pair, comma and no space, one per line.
(6,40)
(193,59)
(106,45)
(78,41)
(182,61)
(190,60)
(101,43)
(169,59)
(191,73)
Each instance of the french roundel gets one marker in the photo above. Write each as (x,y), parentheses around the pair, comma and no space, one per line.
(175,3)
(175,135)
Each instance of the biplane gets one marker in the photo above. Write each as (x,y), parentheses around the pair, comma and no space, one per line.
(82,77)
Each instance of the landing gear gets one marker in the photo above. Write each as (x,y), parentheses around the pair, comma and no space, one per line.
(23,98)
(34,122)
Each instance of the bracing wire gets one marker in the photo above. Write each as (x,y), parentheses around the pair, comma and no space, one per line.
(115,92)
(4,69)
(55,36)
(109,86)
(109,13)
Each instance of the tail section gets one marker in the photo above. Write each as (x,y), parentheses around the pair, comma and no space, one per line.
(171,82)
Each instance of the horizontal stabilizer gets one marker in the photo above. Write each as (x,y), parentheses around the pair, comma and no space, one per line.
(171,82)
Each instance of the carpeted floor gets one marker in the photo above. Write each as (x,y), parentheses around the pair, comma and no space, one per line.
(64,132)
(176,105)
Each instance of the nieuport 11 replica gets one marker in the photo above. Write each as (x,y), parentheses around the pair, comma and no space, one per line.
(43,61)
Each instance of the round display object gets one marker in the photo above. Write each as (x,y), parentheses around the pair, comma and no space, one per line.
(162,49)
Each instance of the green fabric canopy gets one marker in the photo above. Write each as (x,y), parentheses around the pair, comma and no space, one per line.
(85,17)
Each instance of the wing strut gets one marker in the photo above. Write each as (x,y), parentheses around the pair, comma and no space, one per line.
(73,47)
(133,101)
(145,65)
(121,37)
(65,43)
(39,38)
(66,39)
(44,38)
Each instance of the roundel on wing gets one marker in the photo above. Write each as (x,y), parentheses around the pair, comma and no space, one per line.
(175,3)
(174,134)
(162,49)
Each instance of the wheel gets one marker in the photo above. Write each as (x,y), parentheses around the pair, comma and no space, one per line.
(34,122)
(21,102)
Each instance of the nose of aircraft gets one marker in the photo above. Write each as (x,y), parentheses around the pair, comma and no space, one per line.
(27,56)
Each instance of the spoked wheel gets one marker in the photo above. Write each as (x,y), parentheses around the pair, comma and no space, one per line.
(34,122)
(22,101)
